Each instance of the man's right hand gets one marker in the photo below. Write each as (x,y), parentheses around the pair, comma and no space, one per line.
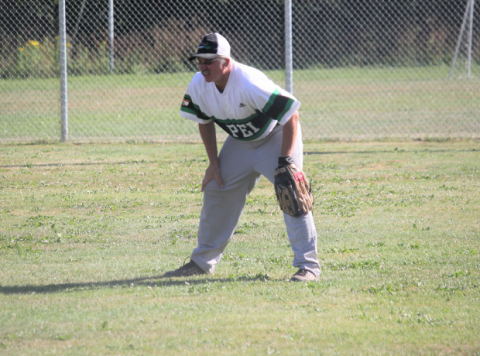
(212,172)
(207,132)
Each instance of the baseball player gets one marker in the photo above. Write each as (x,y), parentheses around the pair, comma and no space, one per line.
(262,122)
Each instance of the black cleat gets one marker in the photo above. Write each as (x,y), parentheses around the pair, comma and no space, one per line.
(189,269)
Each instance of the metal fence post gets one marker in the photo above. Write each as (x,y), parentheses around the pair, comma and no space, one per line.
(470,6)
(111,30)
(288,47)
(63,70)
(470,38)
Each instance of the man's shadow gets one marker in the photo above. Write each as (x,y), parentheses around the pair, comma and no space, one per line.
(154,281)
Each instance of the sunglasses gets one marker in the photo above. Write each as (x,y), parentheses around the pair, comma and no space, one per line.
(207,62)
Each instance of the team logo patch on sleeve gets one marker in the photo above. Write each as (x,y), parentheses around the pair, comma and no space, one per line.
(185,102)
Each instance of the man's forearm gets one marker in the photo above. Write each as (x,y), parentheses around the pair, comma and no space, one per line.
(209,138)
(289,135)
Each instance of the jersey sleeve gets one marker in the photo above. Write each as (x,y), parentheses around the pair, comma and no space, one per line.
(190,108)
(274,101)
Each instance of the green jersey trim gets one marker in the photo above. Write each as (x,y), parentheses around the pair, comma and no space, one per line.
(190,108)
(239,131)
(269,104)
(278,105)
(251,127)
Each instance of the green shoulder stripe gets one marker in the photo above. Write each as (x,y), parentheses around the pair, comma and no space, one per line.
(189,107)
(271,100)
(278,105)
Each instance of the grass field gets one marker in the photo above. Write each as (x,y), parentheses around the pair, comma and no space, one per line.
(86,231)
(345,103)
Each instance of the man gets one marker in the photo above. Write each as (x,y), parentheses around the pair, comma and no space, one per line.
(264,132)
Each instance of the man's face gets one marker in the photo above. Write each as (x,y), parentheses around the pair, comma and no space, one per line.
(212,69)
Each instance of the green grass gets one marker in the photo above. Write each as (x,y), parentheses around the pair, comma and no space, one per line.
(86,231)
(345,103)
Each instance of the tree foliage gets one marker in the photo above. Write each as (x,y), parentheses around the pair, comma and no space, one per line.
(326,32)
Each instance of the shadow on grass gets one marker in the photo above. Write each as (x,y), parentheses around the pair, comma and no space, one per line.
(154,281)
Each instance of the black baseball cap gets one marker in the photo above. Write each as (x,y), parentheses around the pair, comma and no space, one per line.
(212,45)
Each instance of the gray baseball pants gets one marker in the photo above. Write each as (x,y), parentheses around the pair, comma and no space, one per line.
(242,163)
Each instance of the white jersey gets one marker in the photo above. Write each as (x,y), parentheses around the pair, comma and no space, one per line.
(248,109)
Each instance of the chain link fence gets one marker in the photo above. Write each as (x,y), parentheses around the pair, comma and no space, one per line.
(404,69)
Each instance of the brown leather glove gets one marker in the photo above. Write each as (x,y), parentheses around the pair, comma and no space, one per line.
(294,193)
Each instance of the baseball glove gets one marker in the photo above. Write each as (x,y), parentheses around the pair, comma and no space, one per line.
(294,193)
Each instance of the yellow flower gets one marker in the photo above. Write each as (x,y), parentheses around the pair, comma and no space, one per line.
(34,43)
(69,45)
(22,49)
